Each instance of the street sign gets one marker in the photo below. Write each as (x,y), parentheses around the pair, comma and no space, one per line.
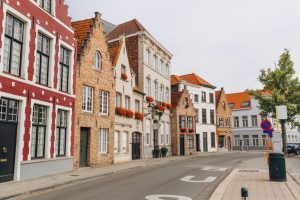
(266,125)
(281,112)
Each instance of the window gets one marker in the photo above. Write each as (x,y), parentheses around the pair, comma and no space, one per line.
(190,139)
(197,116)
(190,122)
(64,66)
(255,140)
(103,140)
(264,140)
(88,97)
(97,60)
(211,98)
(221,122)
(254,120)
(167,133)
(123,69)
(167,96)
(161,65)
(167,70)
(236,121)
(137,106)
(8,110)
(162,133)
(127,102)
(204,119)
(236,140)
(212,116)
(231,105)
(13,45)
(38,133)
(61,133)
(203,97)
(196,98)
(161,92)
(124,142)
(224,105)
(245,121)
(148,86)
(227,122)
(155,90)
(148,132)
(213,139)
(245,104)
(116,142)
(104,102)
(46,5)
(42,60)
(156,62)
(118,100)
(182,121)
(146,56)
(246,140)
(149,57)
(163,68)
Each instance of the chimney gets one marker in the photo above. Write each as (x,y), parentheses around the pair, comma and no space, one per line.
(122,38)
(181,86)
(97,16)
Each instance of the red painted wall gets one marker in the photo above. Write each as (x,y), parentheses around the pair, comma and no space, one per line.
(62,27)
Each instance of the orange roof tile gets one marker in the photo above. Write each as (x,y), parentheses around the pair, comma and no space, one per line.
(81,30)
(114,50)
(126,28)
(190,78)
(218,96)
(238,99)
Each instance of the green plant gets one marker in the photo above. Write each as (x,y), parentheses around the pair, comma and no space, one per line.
(156,152)
(164,151)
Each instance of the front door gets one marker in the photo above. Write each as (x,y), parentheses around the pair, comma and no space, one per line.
(182,153)
(205,149)
(83,146)
(136,146)
(8,135)
(197,142)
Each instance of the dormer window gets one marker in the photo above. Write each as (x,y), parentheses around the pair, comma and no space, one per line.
(245,104)
(97,60)
(46,5)
(231,105)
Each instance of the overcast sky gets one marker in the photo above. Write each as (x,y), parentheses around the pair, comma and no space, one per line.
(226,42)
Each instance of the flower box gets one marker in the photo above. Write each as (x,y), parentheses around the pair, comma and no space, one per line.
(139,116)
(160,108)
(129,114)
(149,99)
(124,77)
(183,130)
(169,106)
(120,111)
(191,130)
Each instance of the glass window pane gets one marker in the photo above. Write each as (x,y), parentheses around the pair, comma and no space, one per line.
(62,141)
(65,79)
(41,142)
(9,25)
(37,67)
(18,30)
(33,140)
(56,141)
(3,109)
(13,111)
(35,115)
(44,70)
(16,58)
(6,54)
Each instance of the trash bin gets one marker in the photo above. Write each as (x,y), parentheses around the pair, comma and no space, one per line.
(277,169)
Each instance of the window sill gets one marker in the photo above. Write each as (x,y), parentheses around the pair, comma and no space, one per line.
(87,112)
(14,75)
(38,160)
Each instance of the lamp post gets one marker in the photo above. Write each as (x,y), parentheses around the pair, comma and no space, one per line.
(156,115)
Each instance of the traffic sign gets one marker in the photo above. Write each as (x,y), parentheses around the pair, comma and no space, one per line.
(266,125)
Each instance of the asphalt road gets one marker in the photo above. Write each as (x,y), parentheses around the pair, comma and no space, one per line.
(189,179)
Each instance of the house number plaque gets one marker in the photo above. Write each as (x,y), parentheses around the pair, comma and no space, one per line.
(5,150)
(3,160)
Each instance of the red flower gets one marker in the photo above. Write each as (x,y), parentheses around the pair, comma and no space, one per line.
(161,108)
(183,130)
(149,99)
(139,116)
(164,104)
(120,111)
(129,114)
(191,130)
(124,77)
(169,106)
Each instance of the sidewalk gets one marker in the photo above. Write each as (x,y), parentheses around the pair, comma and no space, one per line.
(22,188)
(254,175)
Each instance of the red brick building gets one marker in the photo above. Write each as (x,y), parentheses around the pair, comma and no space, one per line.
(37,89)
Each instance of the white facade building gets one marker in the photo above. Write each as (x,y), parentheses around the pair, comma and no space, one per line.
(203,96)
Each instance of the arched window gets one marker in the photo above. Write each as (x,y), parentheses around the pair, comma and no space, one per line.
(97,60)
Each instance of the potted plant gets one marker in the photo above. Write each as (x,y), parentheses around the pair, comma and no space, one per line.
(149,99)
(164,151)
(156,152)
(183,130)
(139,116)
(129,114)
(169,106)
(124,77)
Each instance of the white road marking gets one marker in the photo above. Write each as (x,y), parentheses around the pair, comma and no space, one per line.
(159,196)
(207,180)
(214,169)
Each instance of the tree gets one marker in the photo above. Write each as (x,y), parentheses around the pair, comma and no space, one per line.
(281,87)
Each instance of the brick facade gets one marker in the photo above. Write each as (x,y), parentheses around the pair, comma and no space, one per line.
(182,106)
(224,129)
(24,89)
(99,80)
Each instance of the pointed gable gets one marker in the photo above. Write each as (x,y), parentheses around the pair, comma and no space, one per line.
(114,50)
(81,30)
(193,79)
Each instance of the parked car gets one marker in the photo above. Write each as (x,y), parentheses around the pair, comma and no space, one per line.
(292,148)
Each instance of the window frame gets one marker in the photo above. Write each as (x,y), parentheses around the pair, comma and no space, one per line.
(41,55)
(59,127)
(11,42)
(103,149)
(190,141)
(213,140)
(42,5)
(212,116)
(103,108)
(204,116)
(97,61)
(85,99)
(211,98)
(203,96)
(63,65)
(182,121)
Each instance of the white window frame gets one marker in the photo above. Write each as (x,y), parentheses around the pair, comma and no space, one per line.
(117,142)
(148,86)
(127,102)
(124,142)
(97,65)
(156,90)
(103,136)
(147,132)
(85,98)
(167,133)
(104,97)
